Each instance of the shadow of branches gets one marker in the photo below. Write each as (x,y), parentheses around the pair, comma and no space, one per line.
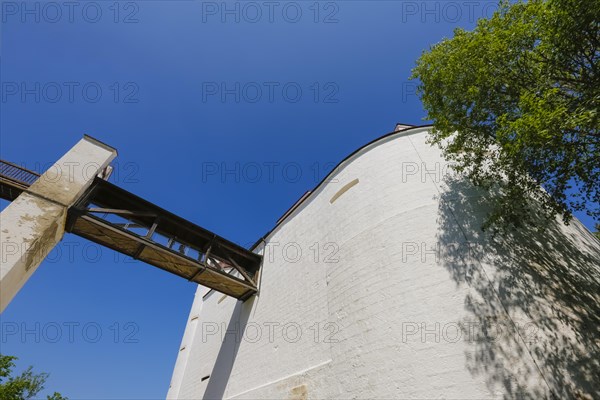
(543,285)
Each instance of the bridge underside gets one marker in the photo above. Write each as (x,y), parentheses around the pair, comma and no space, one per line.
(124,222)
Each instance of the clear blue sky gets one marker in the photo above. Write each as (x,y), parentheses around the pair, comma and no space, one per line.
(159,66)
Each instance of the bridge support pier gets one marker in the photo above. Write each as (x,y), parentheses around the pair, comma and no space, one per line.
(34,222)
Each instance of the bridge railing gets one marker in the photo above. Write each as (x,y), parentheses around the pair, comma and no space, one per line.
(17,173)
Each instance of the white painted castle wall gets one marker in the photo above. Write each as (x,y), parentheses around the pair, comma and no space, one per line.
(398,310)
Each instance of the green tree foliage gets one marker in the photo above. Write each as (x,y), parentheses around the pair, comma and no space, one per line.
(515,105)
(23,386)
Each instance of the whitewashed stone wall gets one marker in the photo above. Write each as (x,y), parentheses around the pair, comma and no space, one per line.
(397,293)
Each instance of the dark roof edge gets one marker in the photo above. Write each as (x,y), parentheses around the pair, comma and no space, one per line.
(100,143)
(290,211)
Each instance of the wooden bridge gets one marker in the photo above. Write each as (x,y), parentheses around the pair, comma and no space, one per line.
(115,218)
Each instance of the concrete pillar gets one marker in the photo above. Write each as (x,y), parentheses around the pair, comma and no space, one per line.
(34,222)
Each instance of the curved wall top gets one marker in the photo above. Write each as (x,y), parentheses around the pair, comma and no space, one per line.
(401,130)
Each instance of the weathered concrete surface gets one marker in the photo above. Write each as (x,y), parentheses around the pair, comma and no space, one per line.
(397,293)
(34,222)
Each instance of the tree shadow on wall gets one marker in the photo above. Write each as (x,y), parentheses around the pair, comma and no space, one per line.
(533,294)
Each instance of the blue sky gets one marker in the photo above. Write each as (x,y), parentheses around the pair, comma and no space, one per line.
(224,115)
